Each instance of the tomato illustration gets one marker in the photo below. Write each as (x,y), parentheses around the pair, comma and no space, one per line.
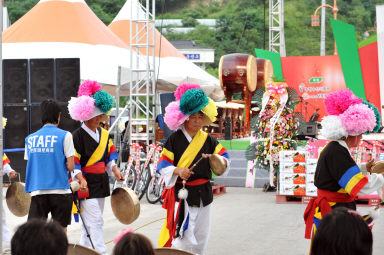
(298,179)
(299,191)
(299,169)
(298,157)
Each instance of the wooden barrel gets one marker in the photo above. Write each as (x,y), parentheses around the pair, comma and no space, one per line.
(237,71)
(264,72)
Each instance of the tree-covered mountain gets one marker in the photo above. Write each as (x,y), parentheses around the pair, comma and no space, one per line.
(241,24)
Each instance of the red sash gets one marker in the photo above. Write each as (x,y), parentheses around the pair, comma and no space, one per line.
(322,201)
(97,168)
(196,182)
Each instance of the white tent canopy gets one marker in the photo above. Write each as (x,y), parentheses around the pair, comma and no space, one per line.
(173,68)
(67,29)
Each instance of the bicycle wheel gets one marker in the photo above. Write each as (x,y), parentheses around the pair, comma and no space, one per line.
(132,177)
(162,187)
(143,183)
(153,193)
(129,179)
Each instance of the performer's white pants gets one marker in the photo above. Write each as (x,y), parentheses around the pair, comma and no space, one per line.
(92,212)
(6,234)
(195,239)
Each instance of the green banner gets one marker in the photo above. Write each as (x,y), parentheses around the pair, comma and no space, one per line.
(349,56)
(274,58)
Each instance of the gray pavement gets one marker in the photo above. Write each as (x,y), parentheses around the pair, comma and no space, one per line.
(244,221)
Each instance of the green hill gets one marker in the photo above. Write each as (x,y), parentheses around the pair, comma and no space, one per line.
(241,24)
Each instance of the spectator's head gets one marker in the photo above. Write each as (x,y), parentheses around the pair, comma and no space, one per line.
(133,244)
(50,112)
(39,237)
(342,232)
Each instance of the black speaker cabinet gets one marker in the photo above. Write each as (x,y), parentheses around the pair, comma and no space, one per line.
(26,84)
(17,126)
(42,83)
(18,164)
(66,122)
(67,78)
(15,77)
(165,99)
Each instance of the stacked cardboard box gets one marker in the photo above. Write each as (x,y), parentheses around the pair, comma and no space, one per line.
(297,172)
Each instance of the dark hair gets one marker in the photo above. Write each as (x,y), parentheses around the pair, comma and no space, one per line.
(50,111)
(133,244)
(342,232)
(39,237)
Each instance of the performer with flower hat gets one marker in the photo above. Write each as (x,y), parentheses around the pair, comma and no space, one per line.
(188,214)
(95,157)
(338,178)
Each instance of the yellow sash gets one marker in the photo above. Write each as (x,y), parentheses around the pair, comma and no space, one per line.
(99,152)
(193,148)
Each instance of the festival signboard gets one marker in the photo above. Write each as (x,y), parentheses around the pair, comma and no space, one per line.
(313,77)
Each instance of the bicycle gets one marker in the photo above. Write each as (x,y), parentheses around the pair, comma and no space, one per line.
(130,170)
(157,183)
(144,173)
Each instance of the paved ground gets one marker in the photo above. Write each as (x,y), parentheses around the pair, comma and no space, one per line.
(244,221)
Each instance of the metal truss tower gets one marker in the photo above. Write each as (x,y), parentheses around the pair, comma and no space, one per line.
(142,88)
(276,27)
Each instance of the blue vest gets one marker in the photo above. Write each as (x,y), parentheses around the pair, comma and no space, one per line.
(46,167)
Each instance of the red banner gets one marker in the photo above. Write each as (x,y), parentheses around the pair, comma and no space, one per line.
(313,77)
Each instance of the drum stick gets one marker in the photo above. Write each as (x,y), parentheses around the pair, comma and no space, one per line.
(81,217)
(194,165)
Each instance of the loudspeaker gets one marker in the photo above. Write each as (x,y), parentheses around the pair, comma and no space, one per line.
(41,75)
(228,128)
(15,77)
(165,99)
(18,164)
(35,118)
(66,122)
(308,129)
(67,78)
(17,126)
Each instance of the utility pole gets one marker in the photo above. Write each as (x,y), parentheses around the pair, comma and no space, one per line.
(322,37)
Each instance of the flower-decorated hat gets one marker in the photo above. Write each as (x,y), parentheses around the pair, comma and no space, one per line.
(190,99)
(90,102)
(349,116)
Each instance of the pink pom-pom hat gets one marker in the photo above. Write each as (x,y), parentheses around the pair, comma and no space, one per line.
(358,119)
(81,108)
(122,233)
(173,117)
(182,88)
(338,102)
(88,88)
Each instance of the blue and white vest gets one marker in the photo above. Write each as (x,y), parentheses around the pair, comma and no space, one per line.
(46,167)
